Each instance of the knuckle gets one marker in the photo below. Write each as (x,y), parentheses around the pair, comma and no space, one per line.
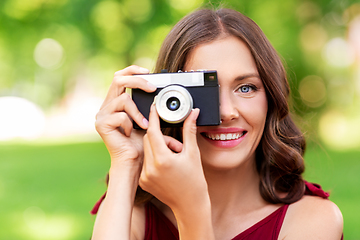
(143,181)
(193,129)
(146,175)
(126,97)
(151,132)
(162,163)
(118,75)
(146,138)
(97,125)
(118,81)
(98,121)
(97,116)
(123,117)
(123,100)
(190,129)
(149,177)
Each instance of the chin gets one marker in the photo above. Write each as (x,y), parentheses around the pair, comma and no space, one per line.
(225,160)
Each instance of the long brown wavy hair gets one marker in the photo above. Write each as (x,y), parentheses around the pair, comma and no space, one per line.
(279,156)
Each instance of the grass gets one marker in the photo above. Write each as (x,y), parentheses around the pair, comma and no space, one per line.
(338,173)
(47,191)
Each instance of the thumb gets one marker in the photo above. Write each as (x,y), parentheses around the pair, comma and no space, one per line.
(189,129)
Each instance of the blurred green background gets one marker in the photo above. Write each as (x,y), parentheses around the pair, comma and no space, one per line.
(57,60)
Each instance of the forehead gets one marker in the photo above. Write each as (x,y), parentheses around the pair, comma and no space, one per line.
(228,54)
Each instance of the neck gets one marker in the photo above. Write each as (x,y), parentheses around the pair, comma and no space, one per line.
(234,189)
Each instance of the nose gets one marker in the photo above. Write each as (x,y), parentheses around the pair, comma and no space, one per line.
(228,110)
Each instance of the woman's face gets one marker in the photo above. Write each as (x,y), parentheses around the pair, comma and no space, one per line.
(243,103)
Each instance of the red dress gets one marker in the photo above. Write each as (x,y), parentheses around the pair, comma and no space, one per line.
(159,227)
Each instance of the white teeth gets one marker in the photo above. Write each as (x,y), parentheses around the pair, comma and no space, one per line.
(223,136)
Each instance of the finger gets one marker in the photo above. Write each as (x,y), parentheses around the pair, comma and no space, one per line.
(123,79)
(173,144)
(131,81)
(113,121)
(119,85)
(133,69)
(189,129)
(155,135)
(124,103)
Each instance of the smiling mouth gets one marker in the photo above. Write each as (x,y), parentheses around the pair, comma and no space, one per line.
(224,136)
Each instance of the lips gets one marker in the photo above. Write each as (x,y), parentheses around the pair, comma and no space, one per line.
(225,138)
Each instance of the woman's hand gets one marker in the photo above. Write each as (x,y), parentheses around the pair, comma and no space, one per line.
(172,171)
(114,120)
(114,124)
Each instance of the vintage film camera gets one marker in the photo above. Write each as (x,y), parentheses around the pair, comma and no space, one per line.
(177,94)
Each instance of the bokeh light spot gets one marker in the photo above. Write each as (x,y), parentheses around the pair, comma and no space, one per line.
(21,8)
(312,91)
(313,37)
(20,118)
(106,15)
(341,91)
(351,12)
(307,10)
(338,53)
(139,10)
(32,213)
(119,40)
(339,131)
(38,225)
(49,53)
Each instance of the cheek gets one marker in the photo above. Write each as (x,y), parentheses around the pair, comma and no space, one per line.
(255,111)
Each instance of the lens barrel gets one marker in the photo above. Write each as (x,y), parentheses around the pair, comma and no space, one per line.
(174,103)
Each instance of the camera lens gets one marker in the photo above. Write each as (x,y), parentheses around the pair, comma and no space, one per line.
(173,103)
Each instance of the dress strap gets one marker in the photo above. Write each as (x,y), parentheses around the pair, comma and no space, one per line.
(314,189)
(95,209)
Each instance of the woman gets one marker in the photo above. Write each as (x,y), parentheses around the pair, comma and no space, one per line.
(239,180)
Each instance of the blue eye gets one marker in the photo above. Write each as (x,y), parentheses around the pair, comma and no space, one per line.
(245,89)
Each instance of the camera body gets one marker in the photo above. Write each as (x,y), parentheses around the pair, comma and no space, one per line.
(177,94)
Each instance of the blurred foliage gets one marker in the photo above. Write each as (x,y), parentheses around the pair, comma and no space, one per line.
(96,38)
(48,48)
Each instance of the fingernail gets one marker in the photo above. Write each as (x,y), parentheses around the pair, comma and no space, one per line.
(145,122)
(197,112)
(152,86)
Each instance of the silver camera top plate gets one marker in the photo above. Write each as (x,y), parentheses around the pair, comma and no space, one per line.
(186,79)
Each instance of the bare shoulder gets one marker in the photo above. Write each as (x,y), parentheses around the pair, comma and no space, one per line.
(138,222)
(312,218)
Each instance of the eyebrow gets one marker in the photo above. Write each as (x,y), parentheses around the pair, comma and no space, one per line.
(249,75)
